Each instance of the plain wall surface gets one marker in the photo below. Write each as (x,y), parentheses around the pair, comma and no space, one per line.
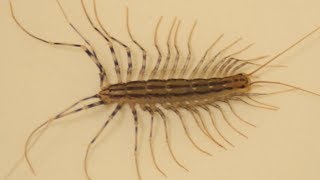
(38,81)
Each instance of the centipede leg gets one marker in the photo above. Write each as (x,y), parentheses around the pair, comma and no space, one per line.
(177,112)
(166,63)
(227,121)
(115,111)
(46,125)
(215,125)
(206,128)
(237,115)
(186,64)
(177,58)
(151,141)
(202,60)
(165,120)
(89,51)
(156,44)
(144,52)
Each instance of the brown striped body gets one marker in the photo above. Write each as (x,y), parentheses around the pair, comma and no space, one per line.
(175,90)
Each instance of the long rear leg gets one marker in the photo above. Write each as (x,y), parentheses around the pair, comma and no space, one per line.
(44,126)
(164,118)
(89,51)
(115,111)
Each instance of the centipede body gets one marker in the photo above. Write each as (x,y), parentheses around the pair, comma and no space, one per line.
(123,62)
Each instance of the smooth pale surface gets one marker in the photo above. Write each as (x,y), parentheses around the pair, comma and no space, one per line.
(38,81)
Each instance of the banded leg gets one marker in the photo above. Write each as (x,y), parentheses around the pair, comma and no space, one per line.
(215,125)
(166,63)
(218,68)
(156,44)
(115,111)
(202,60)
(136,123)
(151,141)
(227,121)
(177,58)
(164,118)
(186,64)
(144,54)
(108,38)
(177,112)
(44,126)
(89,51)
(209,63)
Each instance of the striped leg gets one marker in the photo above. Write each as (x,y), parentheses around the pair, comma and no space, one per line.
(108,38)
(151,141)
(202,60)
(44,126)
(165,120)
(144,53)
(89,51)
(115,111)
(186,64)
(177,112)
(166,63)
(156,44)
(177,58)
(136,124)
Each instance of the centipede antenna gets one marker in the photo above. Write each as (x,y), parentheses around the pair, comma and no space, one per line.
(284,84)
(286,50)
